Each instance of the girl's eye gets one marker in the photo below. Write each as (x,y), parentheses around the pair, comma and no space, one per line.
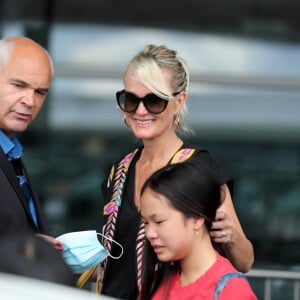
(159,222)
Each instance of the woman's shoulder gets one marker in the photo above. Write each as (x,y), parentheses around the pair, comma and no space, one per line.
(200,153)
(196,149)
(124,160)
(127,156)
(205,159)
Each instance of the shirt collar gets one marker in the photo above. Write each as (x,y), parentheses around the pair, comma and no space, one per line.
(11,147)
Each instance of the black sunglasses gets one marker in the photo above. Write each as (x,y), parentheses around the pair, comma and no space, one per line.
(129,102)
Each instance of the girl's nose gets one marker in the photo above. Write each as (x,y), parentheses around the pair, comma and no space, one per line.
(150,232)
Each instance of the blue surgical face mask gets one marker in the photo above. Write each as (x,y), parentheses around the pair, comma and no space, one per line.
(82,249)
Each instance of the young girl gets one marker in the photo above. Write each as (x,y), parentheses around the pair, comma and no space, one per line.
(178,205)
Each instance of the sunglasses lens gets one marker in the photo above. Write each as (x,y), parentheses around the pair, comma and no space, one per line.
(154,104)
(129,102)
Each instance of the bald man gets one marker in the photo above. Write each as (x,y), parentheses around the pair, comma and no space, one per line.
(25,77)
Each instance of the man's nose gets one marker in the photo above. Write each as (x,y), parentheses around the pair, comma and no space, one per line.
(29,98)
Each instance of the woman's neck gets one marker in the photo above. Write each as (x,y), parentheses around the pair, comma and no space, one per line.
(162,150)
(153,157)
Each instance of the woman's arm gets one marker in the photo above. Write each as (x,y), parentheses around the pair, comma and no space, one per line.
(227,230)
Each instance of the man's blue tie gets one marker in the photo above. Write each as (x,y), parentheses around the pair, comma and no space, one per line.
(22,180)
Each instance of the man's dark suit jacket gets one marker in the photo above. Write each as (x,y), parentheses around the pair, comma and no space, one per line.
(14,211)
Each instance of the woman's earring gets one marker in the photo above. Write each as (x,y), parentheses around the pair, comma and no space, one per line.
(177,125)
(125,121)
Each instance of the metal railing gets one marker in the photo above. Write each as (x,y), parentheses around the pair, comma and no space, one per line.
(269,275)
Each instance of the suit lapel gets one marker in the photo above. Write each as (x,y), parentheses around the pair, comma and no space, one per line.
(38,208)
(8,169)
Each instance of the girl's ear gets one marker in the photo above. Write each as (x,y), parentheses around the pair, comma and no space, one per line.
(198,222)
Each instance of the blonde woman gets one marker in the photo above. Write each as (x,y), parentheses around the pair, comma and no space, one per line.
(154,105)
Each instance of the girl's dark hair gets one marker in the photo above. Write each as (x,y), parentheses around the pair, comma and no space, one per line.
(190,189)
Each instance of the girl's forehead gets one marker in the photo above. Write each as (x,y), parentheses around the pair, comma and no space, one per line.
(153,201)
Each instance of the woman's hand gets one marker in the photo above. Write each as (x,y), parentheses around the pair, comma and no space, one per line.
(223,230)
(227,230)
